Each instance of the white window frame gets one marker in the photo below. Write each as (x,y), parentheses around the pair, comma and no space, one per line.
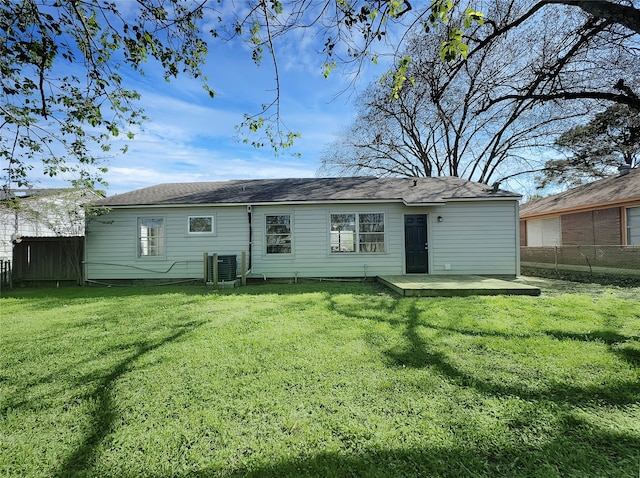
(544,232)
(635,234)
(268,234)
(357,242)
(142,252)
(212,232)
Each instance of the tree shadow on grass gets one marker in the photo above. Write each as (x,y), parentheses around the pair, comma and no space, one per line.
(576,448)
(609,337)
(36,391)
(81,459)
(419,353)
(631,355)
(619,344)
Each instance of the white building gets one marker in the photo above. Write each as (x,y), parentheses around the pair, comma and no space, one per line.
(41,213)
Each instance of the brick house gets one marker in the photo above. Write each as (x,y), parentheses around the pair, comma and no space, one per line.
(604,212)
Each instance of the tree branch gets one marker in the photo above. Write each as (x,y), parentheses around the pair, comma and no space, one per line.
(632,101)
(625,15)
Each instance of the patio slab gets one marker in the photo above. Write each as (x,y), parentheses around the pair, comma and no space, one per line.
(423,285)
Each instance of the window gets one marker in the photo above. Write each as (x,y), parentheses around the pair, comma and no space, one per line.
(200,225)
(371,229)
(150,237)
(343,233)
(544,232)
(633,226)
(279,234)
(357,232)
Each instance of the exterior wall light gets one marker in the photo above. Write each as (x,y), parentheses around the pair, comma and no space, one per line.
(440,219)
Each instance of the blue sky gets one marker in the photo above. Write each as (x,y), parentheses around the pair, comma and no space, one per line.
(191,137)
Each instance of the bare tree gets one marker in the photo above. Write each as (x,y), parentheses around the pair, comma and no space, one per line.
(436,126)
(63,97)
(583,62)
(448,122)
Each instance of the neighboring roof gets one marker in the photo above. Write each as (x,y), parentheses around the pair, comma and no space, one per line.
(40,193)
(407,190)
(605,192)
(27,193)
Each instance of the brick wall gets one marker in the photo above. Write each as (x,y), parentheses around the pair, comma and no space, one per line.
(523,233)
(600,227)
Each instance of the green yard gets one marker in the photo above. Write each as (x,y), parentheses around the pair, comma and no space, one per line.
(329,379)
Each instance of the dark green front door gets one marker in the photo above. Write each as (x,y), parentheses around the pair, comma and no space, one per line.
(415,243)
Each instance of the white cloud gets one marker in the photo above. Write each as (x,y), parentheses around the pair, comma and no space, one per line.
(191,137)
(122,179)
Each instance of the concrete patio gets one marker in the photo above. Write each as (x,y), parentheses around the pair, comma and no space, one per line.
(424,285)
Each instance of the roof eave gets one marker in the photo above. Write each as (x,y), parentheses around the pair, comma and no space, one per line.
(254,203)
(319,202)
(583,208)
(495,198)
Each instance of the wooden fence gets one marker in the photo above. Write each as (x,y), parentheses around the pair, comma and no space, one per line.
(43,260)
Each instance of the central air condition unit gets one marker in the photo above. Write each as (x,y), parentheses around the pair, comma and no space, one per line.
(227,268)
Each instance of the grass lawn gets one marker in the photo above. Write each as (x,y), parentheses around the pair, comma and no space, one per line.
(329,379)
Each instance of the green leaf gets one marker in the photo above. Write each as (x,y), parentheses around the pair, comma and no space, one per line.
(327,68)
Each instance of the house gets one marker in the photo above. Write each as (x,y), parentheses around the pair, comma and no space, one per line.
(604,212)
(41,235)
(307,228)
(41,213)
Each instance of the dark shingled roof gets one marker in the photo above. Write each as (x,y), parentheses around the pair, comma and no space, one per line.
(27,193)
(425,191)
(615,189)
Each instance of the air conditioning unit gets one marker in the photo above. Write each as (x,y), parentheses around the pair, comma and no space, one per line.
(227,268)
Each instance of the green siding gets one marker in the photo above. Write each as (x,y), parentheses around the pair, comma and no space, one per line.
(474,238)
(111,247)
(311,255)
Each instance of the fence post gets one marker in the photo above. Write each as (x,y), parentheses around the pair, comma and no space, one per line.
(215,270)
(206,268)
(243,262)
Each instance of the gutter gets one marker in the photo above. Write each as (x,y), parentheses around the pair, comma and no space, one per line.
(439,202)
(264,203)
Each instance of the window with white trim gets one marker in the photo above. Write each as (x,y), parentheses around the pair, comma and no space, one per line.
(151,237)
(544,232)
(278,234)
(633,226)
(357,232)
(201,225)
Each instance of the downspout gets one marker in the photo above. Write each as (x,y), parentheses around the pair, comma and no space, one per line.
(517,214)
(250,234)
